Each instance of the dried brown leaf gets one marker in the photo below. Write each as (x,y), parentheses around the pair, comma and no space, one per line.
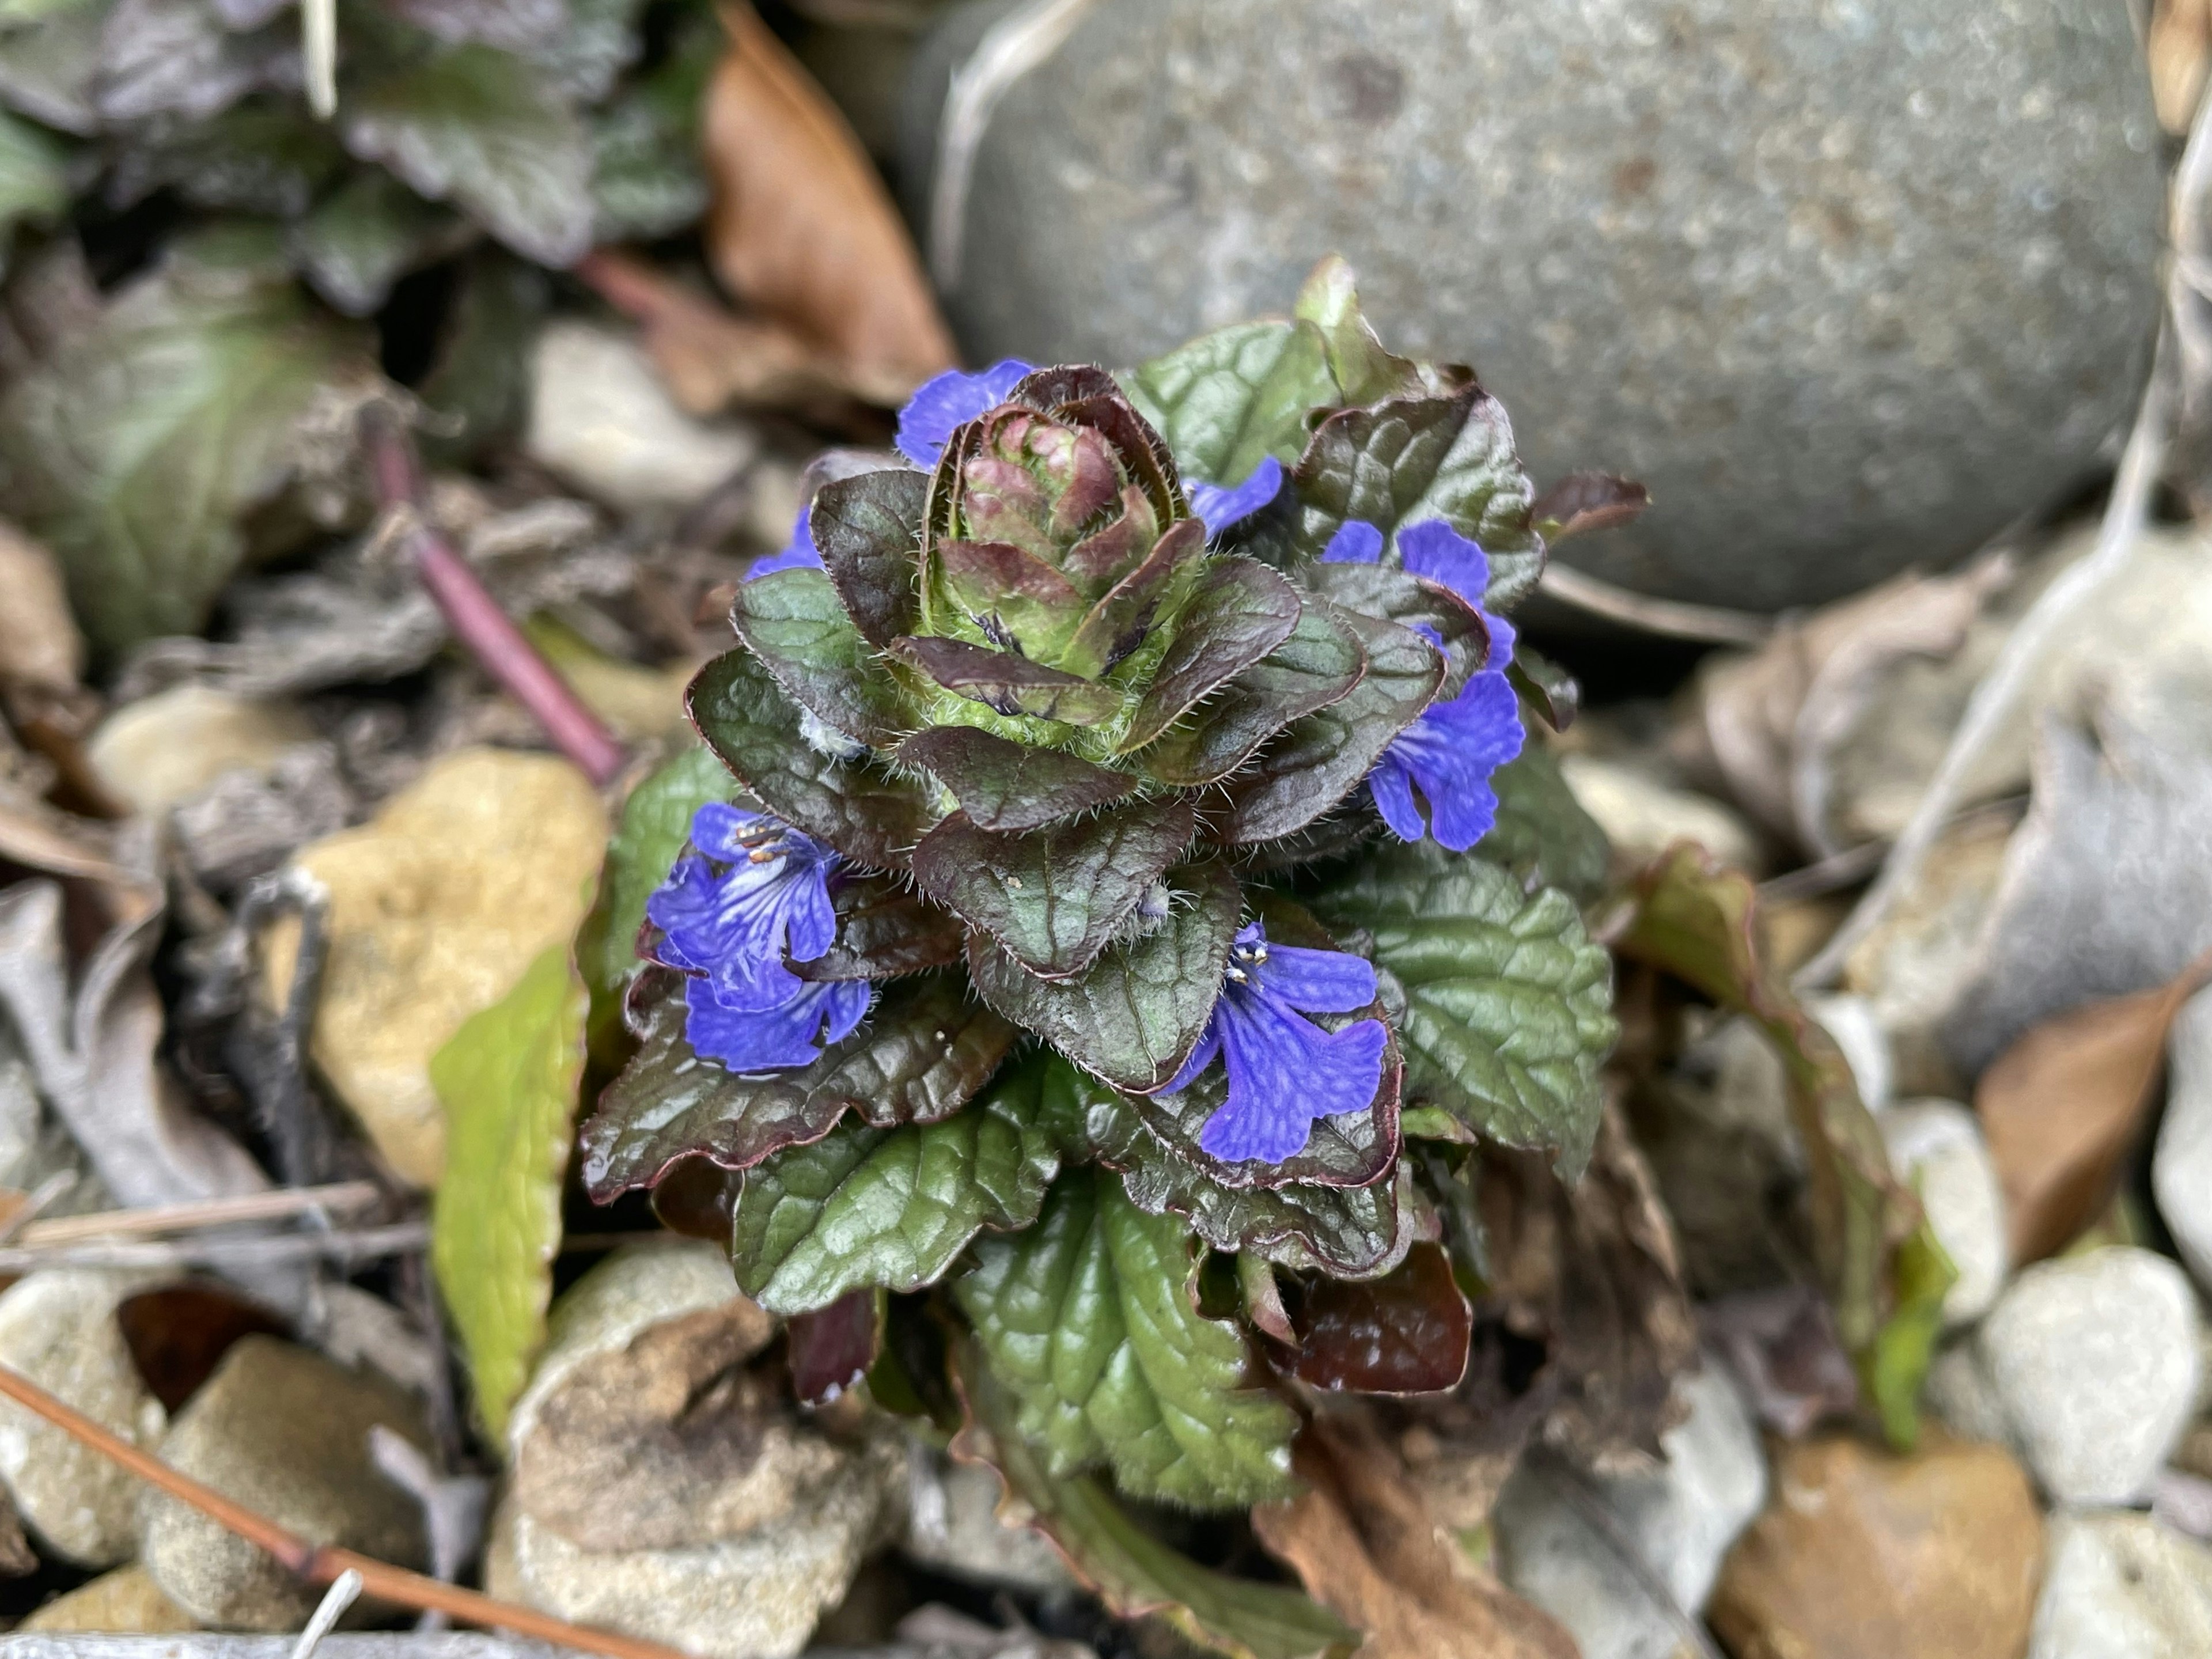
(1364,1544)
(801,228)
(2180,51)
(1774,718)
(2065,1106)
(40,648)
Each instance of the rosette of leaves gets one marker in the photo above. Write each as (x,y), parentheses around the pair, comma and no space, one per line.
(484,137)
(1096,780)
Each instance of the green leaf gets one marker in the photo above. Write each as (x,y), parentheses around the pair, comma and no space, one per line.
(1133,1573)
(1320,758)
(50,59)
(1330,301)
(1230,399)
(1411,458)
(866,812)
(1543,834)
(139,449)
(1507,1005)
(656,821)
(34,175)
(1135,1014)
(1348,1232)
(1003,784)
(868,1206)
(262,156)
(1007,683)
(646,173)
(480,380)
(508,1081)
(792,621)
(868,530)
(1544,686)
(482,128)
(1239,610)
(885,929)
(368,234)
(1318,664)
(1054,896)
(925,1049)
(1882,1269)
(1089,1317)
(1386,593)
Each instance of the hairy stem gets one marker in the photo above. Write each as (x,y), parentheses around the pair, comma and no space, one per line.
(322,1564)
(478,623)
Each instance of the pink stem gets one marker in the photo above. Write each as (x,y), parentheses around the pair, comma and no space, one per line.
(489,634)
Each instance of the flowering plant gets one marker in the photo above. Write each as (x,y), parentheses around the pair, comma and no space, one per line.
(1107,932)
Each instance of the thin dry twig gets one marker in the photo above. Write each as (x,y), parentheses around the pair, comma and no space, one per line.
(361,1245)
(1708,624)
(321,1563)
(345,1591)
(281,1205)
(477,620)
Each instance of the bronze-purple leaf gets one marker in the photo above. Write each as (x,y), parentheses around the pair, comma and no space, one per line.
(1405,1332)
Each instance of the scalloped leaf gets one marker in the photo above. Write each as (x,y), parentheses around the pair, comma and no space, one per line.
(793,621)
(1054,897)
(1408,459)
(836,1346)
(868,530)
(1349,1232)
(1508,1006)
(1004,785)
(1390,594)
(508,1080)
(923,1050)
(864,811)
(1133,1573)
(1230,399)
(885,929)
(1320,758)
(1329,301)
(1545,686)
(1238,611)
(1089,1317)
(1317,665)
(1007,683)
(1542,834)
(867,1206)
(1135,1014)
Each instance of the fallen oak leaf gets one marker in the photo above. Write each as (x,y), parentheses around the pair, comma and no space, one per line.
(2065,1105)
(1365,1545)
(801,227)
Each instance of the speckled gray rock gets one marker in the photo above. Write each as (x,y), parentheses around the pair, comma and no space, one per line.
(283,1431)
(2181,1169)
(1849,285)
(2094,1360)
(1680,1517)
(58,1328)
(953,1525)
(1936,1147)
(2121,1586)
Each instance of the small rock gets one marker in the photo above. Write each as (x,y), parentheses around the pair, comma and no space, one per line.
(1932,1556)
(1853,1022)
(284,1431)
(125,1602)
(156,751)
(1959,1393)
(953,1526)
(2095,1359)
(1936,1148)
(602,421)
(662,1489)
(1680,1517)
(58,1328)
(2181,1169)
(2121,1586)
(1729,284)
(437,905)
(246,823)
(1642,817)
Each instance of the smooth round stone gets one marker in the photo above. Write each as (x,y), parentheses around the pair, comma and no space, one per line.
(1849,283)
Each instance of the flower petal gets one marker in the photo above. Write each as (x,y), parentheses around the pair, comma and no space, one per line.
(1209,1048)
(1222,505)
(757,1039)
(1356,542)
(718,827)
(1451,751)
(1392,786)
(1284,1071)
(950,400)
(1315,981)
(799,553)
(1436,552)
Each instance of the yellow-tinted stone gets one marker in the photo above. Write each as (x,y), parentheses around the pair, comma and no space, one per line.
(125,1602)
(154,752)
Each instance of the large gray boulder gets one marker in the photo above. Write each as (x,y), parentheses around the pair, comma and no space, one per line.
(1849,286)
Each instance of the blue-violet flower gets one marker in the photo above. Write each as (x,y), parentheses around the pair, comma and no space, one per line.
(751,894)
(948,401)
(1284,1070)
(1450,751)
(1222,505)
(799,553)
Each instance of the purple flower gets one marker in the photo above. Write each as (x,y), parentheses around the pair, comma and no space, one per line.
(799,553)
(949,400)
(751,892)
(1449,753)
(1222,505)
(790,1033)
(1284,1070)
